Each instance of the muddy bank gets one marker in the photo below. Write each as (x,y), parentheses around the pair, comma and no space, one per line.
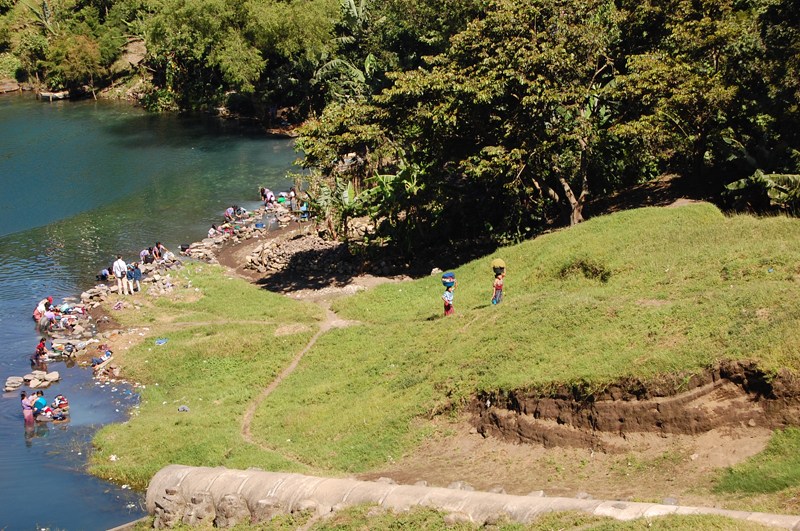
(736,395)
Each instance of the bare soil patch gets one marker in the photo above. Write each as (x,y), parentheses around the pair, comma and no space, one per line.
(654,468)
(637,440)
(732,396)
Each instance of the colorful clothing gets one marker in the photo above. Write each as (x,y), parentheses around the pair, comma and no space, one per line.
(448,303)
(497,298)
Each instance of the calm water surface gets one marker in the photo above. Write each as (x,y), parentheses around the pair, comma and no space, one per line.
(80,182)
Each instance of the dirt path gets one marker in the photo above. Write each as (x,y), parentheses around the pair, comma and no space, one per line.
(331,321)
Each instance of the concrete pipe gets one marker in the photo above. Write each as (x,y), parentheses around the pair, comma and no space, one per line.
(198,496)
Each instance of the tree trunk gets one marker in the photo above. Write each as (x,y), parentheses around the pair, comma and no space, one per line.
(572,207)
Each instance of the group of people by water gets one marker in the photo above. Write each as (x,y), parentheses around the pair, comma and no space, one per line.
(271,200)
(35,406)
(50,317)
(129,276)
(284,205)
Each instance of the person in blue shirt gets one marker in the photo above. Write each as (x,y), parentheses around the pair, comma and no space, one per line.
(39,404)
(129,277)
(448,300)
(137,277)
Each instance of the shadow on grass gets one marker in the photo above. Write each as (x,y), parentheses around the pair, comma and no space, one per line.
(312,269)
(336,267)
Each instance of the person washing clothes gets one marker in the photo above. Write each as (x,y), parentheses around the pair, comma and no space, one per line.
(121,274)
(41,308)
(27,406)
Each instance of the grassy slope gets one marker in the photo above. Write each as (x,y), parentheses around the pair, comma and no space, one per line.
(686,287)
(217,370)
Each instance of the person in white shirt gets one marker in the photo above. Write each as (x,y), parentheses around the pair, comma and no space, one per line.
(121,272)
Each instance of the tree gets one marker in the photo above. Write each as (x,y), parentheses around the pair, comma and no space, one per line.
(518,100)
(694,77)
(74,60)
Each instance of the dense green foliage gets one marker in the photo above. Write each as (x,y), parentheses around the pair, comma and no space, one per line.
(537,106)
(254,56)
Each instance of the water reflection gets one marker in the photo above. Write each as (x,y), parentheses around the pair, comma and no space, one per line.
(35,430)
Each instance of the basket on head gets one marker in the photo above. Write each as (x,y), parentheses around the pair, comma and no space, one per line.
(498,266)
(449,279)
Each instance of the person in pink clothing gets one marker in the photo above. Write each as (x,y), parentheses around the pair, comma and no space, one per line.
(42,307)
(27,406)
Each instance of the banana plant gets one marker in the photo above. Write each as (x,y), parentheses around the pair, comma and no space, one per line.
(45,17)
(756,191)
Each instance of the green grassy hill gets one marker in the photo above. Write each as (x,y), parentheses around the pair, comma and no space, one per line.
(641,294)
(635,294)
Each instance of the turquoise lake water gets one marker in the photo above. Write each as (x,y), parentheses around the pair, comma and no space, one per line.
(80,182)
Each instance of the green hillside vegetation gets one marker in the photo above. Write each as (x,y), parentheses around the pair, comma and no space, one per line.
(640,293)
(683,289)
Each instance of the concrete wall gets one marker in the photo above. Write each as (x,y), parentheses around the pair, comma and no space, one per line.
(198,496)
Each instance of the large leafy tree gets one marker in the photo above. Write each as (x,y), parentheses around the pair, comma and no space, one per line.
(693,76)
(515,107)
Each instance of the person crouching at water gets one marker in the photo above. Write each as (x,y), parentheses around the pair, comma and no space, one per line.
(162,253)
(121,273)
(213,231)
(48,320)
(39,403)
(39,356)
(149,258)
(27,406)
(42,307)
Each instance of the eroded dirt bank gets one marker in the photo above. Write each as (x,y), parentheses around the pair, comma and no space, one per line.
(735,395)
